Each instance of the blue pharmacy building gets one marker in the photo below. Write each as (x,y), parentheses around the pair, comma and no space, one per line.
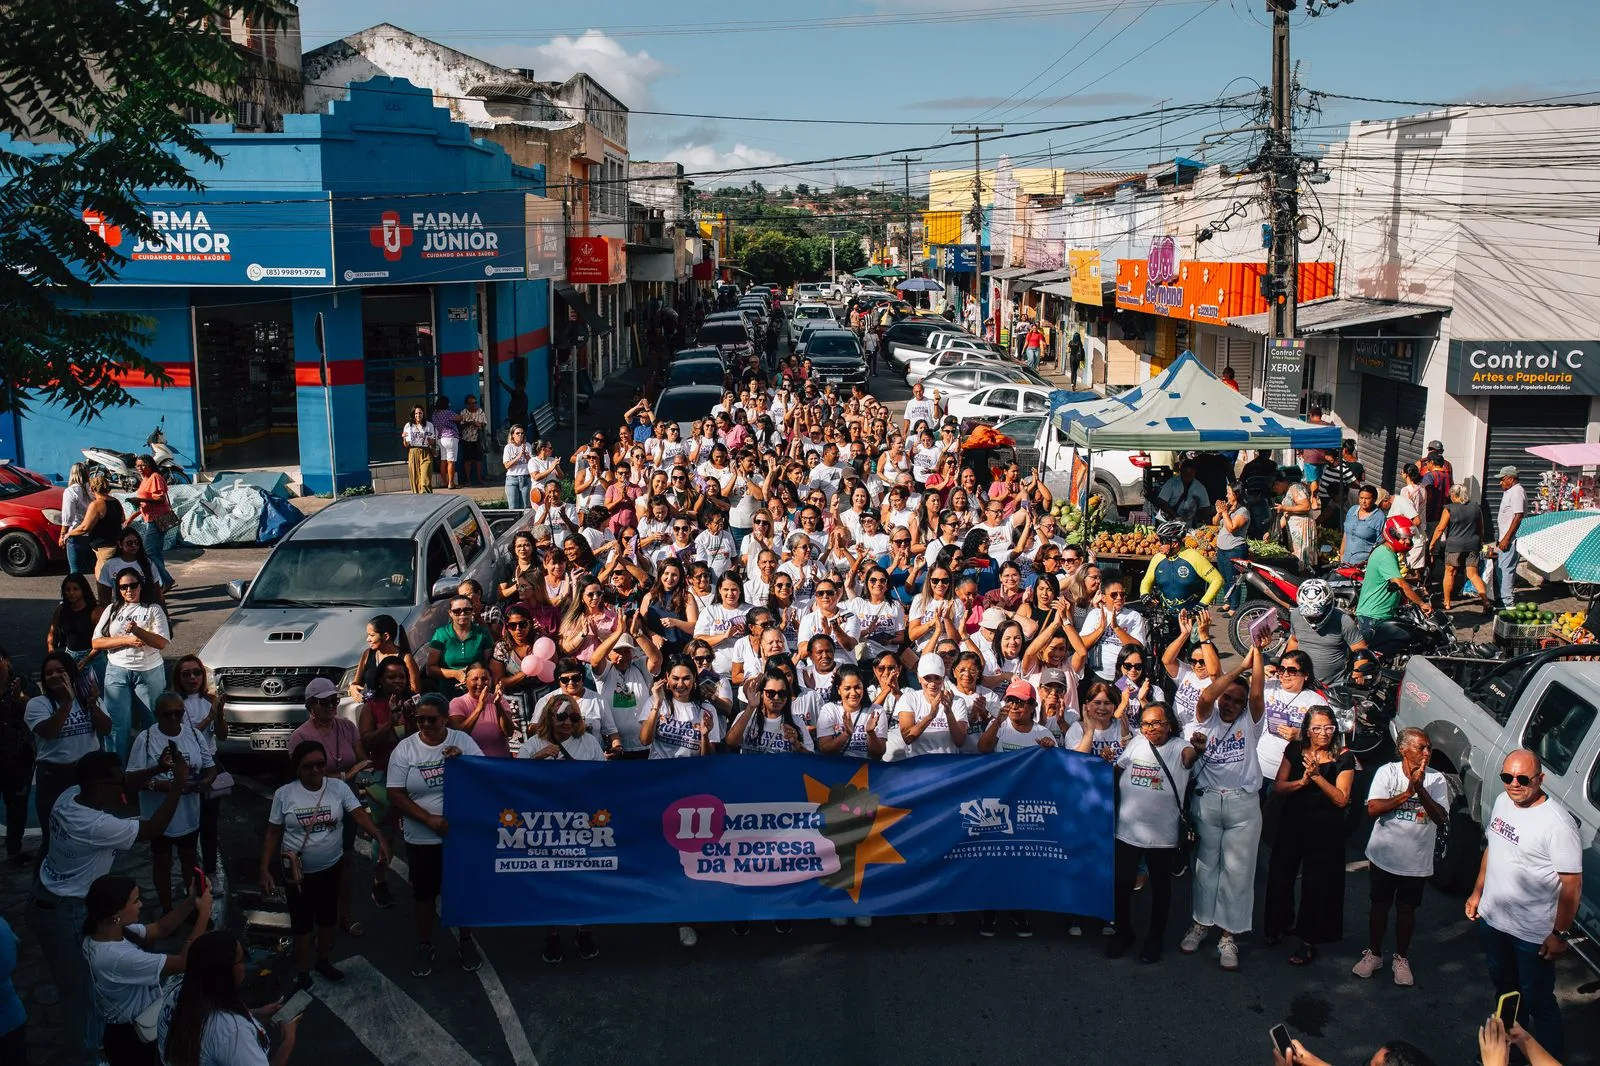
(355,265)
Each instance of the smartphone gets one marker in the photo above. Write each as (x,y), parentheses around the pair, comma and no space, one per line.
(199,881)
(1280,1040)
(295,1007)
(1506,1009)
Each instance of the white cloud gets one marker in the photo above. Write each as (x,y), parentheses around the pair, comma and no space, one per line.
(700,158)
(626,75)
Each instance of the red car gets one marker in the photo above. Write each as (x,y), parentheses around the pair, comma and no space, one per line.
(30,521)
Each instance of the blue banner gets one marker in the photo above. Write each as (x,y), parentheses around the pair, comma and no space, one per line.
(726,838)
(430,238)
(231,238)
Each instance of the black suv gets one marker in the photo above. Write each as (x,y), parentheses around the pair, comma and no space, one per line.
(836,359)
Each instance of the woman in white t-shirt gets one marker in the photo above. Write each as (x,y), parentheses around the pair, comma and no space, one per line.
(562,734)
(1194,673)
(1104,729)
(1227,813)
(971,699)
(849,725)
(149,773)
(415,781)
(721,623)
(124,974)
(931,723)
(132,632)
(203,708)
(769,726)
(1052,651)
(1288,698)
(64,730)
(206,1023)
(1014,729)
(305,845)
(882,618)
(1152,778)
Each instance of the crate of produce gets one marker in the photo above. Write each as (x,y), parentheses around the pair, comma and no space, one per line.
(1522,626)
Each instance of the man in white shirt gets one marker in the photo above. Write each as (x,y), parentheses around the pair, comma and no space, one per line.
(1526,898)
(1407,802)
(1513,505)
(829,472)
(918,409)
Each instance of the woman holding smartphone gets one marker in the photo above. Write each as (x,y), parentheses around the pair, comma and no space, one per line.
(150,774)
(124,973)
(306,843)
(64,730)
(209,1025)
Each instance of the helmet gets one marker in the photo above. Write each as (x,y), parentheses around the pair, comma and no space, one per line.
(1171,532)
(1397,533)
(1314,598)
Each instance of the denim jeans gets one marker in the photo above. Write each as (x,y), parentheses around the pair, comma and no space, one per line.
(155,546)
(80,557)
(517,486)
(122,685)
(57,923)
(1232,587)
(1515,966)
(1505,570)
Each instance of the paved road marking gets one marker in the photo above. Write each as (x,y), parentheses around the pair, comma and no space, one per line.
(393,1026)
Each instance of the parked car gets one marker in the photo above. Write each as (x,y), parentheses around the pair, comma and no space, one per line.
(914,332)
(730,338)
(709,371)
(686,405)
(1476,712)
(802,342)
(920,368)
(1002,401)
(1045,446)
(30,521)
(952,382)
(837,358)
(305,613)
(812,312)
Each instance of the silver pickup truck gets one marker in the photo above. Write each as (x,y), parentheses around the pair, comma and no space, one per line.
(305,614)
(1475,712)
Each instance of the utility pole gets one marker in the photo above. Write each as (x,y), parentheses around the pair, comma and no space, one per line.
(1283,178)
(905,203)
(976,133)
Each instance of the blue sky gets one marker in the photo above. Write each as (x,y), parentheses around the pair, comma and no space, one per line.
(916,67)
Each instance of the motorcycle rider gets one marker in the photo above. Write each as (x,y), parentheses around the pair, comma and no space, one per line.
(1331,637)
(1385,580)
(1182,577)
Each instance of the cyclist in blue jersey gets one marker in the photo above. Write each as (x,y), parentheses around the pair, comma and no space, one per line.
(1182,577)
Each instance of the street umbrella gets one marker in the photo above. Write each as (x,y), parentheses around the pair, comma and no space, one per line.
(920,285)
(873,271)
(1563,545)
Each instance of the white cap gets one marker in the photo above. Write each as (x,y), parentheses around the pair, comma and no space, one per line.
(930,665)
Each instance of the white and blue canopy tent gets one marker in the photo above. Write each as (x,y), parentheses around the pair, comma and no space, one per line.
(1187,408)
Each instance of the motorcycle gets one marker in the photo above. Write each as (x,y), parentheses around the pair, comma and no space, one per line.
(1411,632)
(1277,588)
(124,476)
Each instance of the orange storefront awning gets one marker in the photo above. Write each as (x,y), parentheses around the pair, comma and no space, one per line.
(1212,292)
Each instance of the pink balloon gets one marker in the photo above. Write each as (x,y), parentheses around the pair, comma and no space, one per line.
(544,648)
(531,664)
(545,671)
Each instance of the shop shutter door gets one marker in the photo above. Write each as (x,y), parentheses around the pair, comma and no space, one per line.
(1389,429)
(1517,423)
(1239,353)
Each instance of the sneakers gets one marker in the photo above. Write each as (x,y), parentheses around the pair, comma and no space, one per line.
(1194,938)
(1109,929)
(687,937)
(863,922)
(382,898)
(329,970)
(1369,964)
(1074,929)
(587,948)
(1022,926)
(1228,953)
(552,948)
(471,957)
(987,923)
(1402,971)
(422,965)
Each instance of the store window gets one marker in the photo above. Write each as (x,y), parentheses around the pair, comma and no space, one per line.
(244,373)
(402,369)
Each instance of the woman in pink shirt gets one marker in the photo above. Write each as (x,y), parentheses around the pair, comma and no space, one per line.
(483,713)
(156,516)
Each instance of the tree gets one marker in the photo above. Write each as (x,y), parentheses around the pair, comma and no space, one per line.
(111,80)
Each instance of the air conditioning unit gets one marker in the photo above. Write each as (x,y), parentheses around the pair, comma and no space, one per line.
(247,114)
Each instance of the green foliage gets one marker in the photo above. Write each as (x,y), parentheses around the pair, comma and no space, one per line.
(111,81)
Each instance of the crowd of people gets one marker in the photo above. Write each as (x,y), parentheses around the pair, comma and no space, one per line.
(800,572)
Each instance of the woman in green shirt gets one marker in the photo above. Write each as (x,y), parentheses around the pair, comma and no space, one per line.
(456,647)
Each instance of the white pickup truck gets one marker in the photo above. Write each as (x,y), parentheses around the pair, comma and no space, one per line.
(1045,447)
(1476,712)
(305,614)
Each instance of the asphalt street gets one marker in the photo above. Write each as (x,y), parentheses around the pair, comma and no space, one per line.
(889,994)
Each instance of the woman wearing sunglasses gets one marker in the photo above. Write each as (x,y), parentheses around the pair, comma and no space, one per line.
(1194,668)
(505,667)
(306,846)
(770,726)
(1110,625)
(571,680)
(1133,680)
(562,735)
(1288,697)
(1315,779)
(416,789)
(132,632)
(150,774)
(933,614)
(882,619)
(457,645)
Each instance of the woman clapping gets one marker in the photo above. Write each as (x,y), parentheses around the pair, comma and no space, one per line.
(1314,779)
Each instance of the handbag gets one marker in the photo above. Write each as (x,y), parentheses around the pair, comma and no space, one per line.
(147,1022)
(165,521)
(1188,835)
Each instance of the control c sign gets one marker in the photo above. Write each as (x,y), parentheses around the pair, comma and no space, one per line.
(1566,367)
